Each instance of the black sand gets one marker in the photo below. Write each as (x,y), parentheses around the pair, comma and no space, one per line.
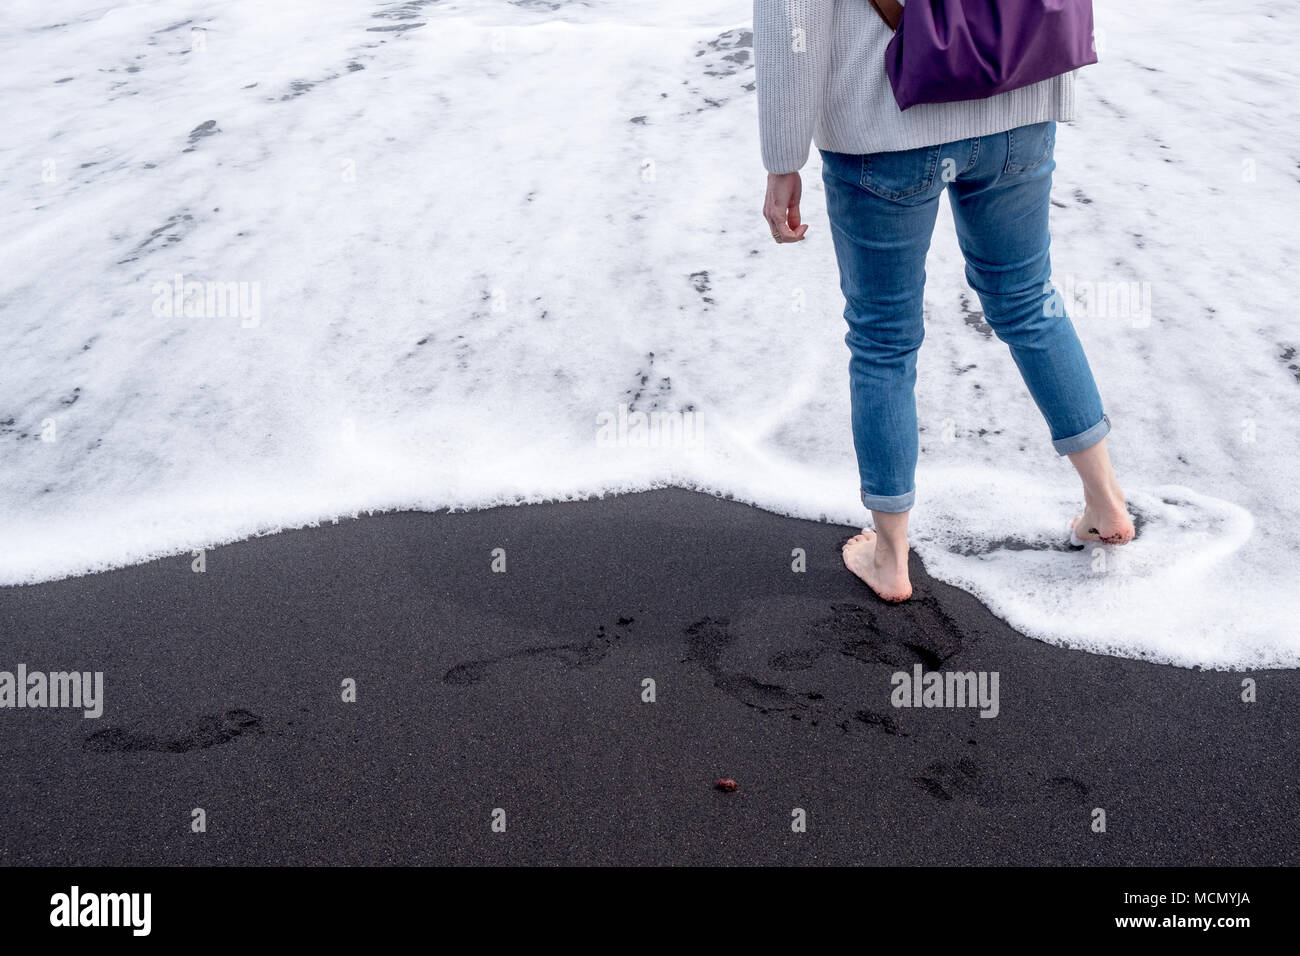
(522,691)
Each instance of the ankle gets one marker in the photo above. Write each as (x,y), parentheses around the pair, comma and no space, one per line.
(1109,498)
(1104,495)
(889,555)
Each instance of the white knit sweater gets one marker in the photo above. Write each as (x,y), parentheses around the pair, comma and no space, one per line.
(820,74)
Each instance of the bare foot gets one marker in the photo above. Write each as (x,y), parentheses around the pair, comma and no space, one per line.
(885,573)
(1105,516)
(1108,523)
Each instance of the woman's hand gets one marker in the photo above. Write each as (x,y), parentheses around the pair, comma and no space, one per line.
(781,207)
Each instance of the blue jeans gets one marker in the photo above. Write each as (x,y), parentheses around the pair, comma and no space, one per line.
(882,210)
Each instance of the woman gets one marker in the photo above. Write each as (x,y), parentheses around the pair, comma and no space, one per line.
(821,79)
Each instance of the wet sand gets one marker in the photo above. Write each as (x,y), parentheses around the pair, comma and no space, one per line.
(522,691)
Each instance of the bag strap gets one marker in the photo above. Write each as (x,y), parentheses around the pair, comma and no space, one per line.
(891,11)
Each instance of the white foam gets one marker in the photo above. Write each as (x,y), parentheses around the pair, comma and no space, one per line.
(563,207)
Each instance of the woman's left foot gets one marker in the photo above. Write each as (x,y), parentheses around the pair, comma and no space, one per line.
(1108,525)
(884,573)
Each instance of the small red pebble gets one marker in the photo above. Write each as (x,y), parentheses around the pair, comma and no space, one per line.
(727,784)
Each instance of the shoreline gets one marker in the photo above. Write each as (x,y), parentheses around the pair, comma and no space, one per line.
(523,690)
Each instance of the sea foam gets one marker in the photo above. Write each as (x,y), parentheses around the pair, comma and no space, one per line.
(476,231)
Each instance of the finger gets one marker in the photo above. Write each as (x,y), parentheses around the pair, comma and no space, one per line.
(781,227)
(791,235)
(796,223)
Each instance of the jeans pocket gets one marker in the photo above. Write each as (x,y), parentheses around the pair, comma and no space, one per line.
(901,175)
(1028,147)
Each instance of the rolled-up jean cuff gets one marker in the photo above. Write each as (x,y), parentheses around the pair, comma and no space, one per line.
(1068,446)
(890,504)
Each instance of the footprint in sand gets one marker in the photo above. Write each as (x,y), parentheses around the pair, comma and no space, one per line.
(950,781)
(885,636)
(879,636)
(1067,789)
(576,654)
(707,639)
(200,733)
(919,633)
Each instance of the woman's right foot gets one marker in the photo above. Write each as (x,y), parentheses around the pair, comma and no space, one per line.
(884,573)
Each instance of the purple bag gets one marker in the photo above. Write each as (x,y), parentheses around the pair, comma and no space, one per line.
(944,51)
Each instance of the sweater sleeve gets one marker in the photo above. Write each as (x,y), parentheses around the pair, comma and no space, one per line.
(791,47)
